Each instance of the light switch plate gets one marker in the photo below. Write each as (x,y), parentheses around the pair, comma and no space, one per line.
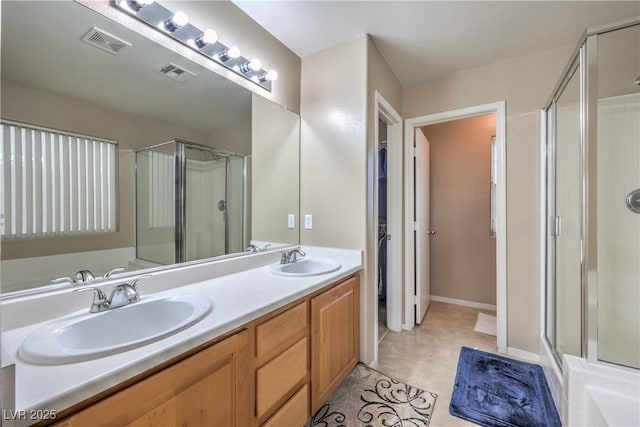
(291,221)
(308,221)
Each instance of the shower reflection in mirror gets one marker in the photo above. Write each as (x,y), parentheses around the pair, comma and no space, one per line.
(190,202)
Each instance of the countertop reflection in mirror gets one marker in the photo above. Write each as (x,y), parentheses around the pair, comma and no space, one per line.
(135,96)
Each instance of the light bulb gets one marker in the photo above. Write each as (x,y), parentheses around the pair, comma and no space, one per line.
(272,75)
(208,37)
(253,65)
(179,19)
(232,53)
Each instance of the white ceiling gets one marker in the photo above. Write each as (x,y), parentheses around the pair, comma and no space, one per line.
(422,40)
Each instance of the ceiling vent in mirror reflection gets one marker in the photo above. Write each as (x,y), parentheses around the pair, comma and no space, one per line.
(175,72)
(105,41)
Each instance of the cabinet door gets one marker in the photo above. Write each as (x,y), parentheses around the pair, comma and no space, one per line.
(206,389)
(334,339)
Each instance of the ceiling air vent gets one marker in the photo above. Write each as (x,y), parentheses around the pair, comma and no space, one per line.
(175,72)
(105,41)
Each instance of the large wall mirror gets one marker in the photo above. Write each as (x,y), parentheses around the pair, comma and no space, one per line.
(127,154)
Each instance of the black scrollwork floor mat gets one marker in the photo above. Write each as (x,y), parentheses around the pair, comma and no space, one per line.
(370,398)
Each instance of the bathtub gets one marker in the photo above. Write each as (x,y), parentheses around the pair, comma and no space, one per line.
(599,394)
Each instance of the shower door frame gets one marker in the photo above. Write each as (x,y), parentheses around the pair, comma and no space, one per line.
(549,117)
(586,54)
(180,197)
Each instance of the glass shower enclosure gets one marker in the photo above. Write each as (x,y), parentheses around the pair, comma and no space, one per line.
(593,200)
(190,202)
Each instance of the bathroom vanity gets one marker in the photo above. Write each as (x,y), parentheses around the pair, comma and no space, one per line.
(272,362)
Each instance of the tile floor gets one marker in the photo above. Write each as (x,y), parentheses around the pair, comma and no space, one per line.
(427,356)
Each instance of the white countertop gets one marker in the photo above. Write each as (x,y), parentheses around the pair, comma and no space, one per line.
(238,298)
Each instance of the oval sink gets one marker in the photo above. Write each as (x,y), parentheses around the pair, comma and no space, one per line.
(306,267)
(96,335)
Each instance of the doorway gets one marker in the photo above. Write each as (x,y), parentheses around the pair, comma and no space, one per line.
(383,235)
(418,230)
(385,226)
(462,267)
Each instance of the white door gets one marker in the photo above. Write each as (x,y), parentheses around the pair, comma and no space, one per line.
(422,230)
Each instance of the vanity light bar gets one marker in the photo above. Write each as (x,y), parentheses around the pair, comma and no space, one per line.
(177,25)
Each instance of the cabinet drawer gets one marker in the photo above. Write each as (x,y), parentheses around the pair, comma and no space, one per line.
(275,332)
(293,413)
(280,376)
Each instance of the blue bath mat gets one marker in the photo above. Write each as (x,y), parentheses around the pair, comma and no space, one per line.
(496,391)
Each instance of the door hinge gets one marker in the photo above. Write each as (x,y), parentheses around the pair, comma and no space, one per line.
(415,225)
(413,151)
(554,225)
(415,300)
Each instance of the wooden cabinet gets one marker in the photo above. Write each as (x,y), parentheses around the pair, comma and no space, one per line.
(276,372)
(334,339)
(205,389)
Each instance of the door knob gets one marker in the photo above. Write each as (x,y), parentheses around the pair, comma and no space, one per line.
(431,232)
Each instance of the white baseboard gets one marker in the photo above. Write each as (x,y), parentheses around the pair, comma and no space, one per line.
(465,303)
(525,355)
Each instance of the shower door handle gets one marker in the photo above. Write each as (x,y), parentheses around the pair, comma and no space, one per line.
(222,206)
(555,225)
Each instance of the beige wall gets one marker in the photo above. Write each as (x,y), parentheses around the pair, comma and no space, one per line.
(618,62)
(234,27)
(380,78)
(48,109)
(463,253)
(333,155)
(337,110)
(33,106)
(525,83)
(236,139)
(275,172)
(333,151)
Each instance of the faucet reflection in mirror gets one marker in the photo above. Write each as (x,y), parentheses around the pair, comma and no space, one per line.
(84,276)
(177,25)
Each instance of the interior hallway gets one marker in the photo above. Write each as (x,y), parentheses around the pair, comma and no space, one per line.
(427,356)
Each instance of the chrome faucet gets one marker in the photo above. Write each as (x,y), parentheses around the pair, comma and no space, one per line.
(85,276)
(291,256)
(113,271)
(121,295)
(255,248)
(82,276)
(99,303)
